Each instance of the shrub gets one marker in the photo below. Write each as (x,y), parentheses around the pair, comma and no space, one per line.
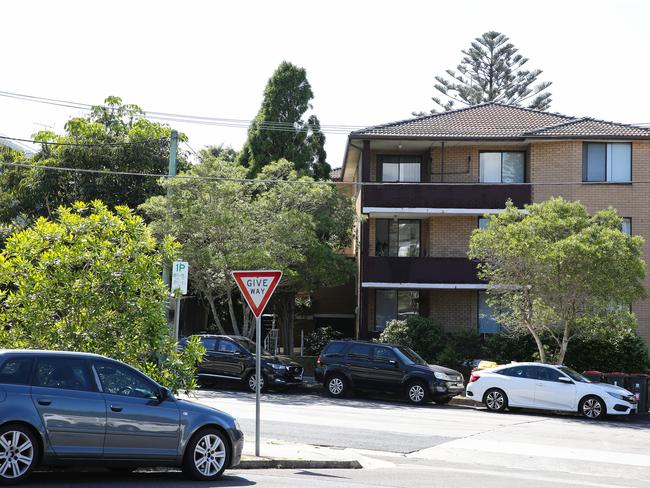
(421,334)
(317,340)
(609,351)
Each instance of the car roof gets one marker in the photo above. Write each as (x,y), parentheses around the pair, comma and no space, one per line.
(526,363)
(55,353)
(217,336)
(361,341)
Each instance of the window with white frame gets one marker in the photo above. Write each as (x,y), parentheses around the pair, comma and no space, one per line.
(607,162)
(399,168)
(501,167)
(626,226)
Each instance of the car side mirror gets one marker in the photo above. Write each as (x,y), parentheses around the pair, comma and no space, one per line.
(564,379)
(163,394)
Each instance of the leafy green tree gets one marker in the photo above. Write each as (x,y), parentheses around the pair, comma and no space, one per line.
(279,131)
(299,228)
(227,153)
(89,281)
(492,70)
(113,137)
(557,272)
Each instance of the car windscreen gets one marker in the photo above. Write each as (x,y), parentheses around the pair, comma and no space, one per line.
(250,346)
(409,356)
(574,375)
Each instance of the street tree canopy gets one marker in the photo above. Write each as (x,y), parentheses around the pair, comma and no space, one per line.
(558,272)
(299,228)
(279,131)
(89,280)
(113,137)
(492,70)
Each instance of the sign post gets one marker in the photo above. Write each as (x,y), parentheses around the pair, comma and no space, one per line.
(180,272)
(257,288)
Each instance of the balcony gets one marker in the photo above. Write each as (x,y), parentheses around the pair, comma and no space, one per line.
(424,270)
(475,196)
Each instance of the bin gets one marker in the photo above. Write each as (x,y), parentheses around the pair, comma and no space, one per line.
(595,376)
(638,384)
(617,379)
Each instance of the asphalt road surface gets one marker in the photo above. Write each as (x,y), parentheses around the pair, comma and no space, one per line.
(412,447)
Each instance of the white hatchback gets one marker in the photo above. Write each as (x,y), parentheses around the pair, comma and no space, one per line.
(547,387)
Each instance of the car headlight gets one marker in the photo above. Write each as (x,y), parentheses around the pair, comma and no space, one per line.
(237,426)
(617,395)
(441,376)
(278,367)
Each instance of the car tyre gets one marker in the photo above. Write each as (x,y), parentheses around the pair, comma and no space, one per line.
(21,453)
(495,400)
(417,392)
(442,401)
(593,408)
(337,386)
(207,455)
(250,382)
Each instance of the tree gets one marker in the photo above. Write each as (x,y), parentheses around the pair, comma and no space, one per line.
(492,70)
(89,281)
(557,272)
(299,228)
(113,137)
(279,131)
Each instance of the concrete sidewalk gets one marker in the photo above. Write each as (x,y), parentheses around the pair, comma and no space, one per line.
(286,455)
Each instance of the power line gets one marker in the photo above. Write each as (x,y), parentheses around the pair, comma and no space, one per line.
(83,144)
(301,182)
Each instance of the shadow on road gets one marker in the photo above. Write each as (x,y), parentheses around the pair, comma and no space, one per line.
(144,478)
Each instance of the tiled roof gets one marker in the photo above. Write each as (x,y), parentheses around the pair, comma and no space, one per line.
(499,121)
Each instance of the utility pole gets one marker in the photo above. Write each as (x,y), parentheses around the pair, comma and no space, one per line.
(171,302)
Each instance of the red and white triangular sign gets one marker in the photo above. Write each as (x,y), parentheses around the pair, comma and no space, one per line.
(257,287)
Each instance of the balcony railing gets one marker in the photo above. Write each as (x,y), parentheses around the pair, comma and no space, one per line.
(419,270)
(442,195)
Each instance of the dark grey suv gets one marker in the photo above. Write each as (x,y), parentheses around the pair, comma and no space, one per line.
(64,408)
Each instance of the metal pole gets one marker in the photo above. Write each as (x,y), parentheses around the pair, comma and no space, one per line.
(177,318)
(173,149)
(258,372)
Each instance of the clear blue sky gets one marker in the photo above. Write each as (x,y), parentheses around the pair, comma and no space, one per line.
(368,61)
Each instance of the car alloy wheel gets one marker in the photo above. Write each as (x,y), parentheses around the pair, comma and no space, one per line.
(209,455)
(252,383)
(416,393)
(495,400)
(592,408)
(336,386)
(17,454)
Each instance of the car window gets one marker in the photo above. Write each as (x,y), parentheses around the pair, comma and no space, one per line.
(63,372)
(16,371)
(209,343)
(334,349)
(525,372)
(228,346)
(120,380)
(574,375)
(360,351)
(384,354)
(547,374)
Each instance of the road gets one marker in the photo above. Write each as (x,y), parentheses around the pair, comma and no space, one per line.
(410,447)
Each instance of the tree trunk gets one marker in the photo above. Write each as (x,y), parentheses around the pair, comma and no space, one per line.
(565,343)
(231,310)
(213,308)
(285,307)
(538,342)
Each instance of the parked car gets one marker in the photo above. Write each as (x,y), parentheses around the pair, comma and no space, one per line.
(348,365)
(232,358)
(66,408)
(547,387)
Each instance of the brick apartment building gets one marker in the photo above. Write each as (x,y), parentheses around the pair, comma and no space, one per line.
(412,248)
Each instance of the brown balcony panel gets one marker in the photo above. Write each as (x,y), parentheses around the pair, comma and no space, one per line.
(419,270)
(444,196)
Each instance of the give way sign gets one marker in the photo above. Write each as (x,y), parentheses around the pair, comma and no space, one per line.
(257,287)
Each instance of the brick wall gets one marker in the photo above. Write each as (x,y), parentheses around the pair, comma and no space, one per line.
(456,310)
(562,162)
(449,236)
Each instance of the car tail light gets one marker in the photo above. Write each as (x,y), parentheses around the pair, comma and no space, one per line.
(318,361)
(474,377)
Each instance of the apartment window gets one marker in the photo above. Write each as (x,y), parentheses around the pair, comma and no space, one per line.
(397,238)
(626,226)
(482,223)
(501,167)
(394,304)
(607,162)
(399,168)
(486,322)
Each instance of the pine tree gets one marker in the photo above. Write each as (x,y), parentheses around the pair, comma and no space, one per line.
(492,71)
(279,130)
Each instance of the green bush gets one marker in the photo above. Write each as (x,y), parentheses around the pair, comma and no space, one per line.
(421,334)
(317,340)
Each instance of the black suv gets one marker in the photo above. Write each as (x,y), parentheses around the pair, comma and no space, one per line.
(346,365)
(232,358)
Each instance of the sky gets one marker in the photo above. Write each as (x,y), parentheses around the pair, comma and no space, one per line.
(368,62)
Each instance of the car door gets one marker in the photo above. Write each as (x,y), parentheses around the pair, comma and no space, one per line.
(72,409)
(209,363)
(138,424)
(519,384)
(231,358)
(551,393)
(386,371)
(359,362)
